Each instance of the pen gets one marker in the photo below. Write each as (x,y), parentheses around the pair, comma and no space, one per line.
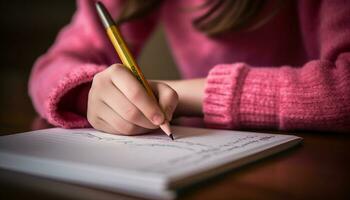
(126,57)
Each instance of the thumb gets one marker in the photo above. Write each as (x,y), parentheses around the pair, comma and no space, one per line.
(167,98)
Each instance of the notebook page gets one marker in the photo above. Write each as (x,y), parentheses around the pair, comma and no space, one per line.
(151,153)
(145,165)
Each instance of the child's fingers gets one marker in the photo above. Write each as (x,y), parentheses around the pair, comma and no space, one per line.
(102,125)
(167,97)
(97,122)
(119,125)
(121,105)
(135,92)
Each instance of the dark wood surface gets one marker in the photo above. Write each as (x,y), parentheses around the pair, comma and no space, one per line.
(317,169)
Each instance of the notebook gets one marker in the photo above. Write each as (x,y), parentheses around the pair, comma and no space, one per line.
(148,166)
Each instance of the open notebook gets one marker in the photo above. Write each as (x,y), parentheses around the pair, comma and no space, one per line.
(151,165)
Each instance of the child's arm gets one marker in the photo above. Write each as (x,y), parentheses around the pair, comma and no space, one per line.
(190,93)
(60,80)
(315,96)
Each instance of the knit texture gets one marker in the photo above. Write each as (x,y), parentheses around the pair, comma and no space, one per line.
(293,73)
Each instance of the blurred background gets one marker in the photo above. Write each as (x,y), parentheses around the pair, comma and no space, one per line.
(28,28)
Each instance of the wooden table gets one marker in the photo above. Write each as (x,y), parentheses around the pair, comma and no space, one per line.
(317,169)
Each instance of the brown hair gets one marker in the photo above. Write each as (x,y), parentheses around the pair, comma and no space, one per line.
(221,15)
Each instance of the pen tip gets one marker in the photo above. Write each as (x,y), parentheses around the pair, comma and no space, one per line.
(166,128)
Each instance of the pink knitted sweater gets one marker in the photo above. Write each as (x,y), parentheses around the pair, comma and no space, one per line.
(293,73)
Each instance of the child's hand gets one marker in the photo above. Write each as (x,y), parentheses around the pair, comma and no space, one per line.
(119,104)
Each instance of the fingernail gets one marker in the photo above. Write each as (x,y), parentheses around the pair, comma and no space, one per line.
(157,119)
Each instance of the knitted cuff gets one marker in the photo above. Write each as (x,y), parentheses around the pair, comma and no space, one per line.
(69,118)
(240,97)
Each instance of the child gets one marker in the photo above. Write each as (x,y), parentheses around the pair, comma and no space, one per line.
(246,65)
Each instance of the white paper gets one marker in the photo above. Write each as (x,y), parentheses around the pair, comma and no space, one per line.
(135,163)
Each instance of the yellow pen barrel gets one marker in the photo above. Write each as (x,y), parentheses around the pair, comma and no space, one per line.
(126,57)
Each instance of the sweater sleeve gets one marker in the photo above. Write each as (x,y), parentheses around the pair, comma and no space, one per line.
(61,78)
(315,96)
